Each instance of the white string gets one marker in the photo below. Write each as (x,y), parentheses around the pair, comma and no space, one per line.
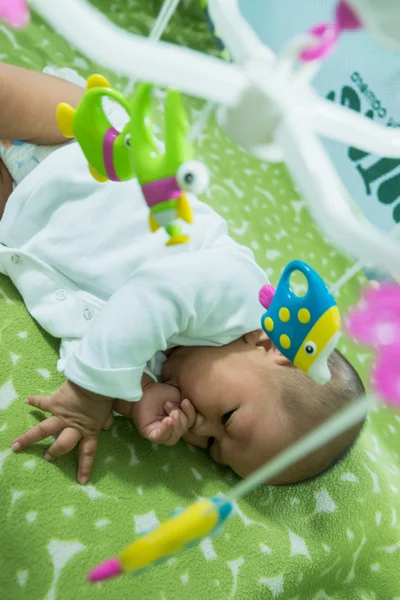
(167,10)
(330,429)
(164,16)
(347,275)
(198,126)
(358,266)
(291,51)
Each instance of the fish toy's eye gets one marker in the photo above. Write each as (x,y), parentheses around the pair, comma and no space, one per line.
(310,348)
(193,177)
(127,140)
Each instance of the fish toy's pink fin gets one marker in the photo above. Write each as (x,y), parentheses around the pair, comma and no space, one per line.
(266,295)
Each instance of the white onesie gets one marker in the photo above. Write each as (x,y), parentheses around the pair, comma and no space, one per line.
(91,273)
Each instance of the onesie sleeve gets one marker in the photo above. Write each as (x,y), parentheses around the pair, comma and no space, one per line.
(209,297)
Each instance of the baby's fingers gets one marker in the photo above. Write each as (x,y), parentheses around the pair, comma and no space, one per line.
(87,452)
(179,427)
(189,411)
(161,433)
(42,402)
(41,431)
(186,414)
(109,422)
(66,441)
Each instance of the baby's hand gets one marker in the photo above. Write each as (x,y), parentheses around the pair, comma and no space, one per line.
(180,419)
(78,417)
(160,416)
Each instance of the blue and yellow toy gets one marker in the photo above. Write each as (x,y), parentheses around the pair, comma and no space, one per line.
(306,328)
(185,529)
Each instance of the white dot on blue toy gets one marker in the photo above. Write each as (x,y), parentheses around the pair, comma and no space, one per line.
(306,328)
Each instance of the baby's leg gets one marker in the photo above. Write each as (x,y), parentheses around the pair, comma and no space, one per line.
(20,156)
(28,103)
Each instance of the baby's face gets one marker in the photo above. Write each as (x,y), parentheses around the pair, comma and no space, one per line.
(235,392)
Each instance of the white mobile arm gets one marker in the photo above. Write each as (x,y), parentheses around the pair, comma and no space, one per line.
(353,129)
(140,58)
(265,105)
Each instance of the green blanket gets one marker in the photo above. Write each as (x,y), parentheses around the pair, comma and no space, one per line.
(337,538)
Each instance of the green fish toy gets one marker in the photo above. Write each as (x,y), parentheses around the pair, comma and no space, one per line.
(106,149)
(165,177)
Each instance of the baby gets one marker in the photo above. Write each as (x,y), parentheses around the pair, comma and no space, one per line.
(166,336)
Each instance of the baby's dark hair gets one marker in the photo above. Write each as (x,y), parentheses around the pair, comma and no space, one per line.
(306,405)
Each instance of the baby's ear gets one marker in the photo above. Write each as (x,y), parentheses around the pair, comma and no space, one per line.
(261,339)
(258,338)
(282,360)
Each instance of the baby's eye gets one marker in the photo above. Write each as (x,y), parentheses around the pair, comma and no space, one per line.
(225,418)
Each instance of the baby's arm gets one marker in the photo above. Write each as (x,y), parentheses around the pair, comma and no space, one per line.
(160,416)
(187,299)
(78,416)
(28,103)
(182,299)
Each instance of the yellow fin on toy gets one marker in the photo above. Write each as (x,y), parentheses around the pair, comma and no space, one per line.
(153,223)
(97,175)
(184,210)
(97,81)
(178,239)
(64,116)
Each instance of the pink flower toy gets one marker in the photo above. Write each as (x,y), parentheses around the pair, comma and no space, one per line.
(376,323)
(14,12)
